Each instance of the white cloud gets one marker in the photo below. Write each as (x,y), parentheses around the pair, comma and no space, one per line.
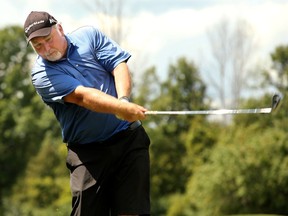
(154,34)
(162,37)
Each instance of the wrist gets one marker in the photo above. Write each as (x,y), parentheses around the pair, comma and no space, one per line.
(121,107)
(124,99)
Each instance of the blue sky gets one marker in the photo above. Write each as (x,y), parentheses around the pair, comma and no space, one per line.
(158,32)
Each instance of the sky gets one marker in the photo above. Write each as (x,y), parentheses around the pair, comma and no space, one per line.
(158,32)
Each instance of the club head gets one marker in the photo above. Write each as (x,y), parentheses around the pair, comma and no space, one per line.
(275,101)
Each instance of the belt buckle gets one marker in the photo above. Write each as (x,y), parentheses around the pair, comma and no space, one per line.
(135,125)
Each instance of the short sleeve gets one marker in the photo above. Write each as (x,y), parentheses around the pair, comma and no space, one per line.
(108,52)
(54,86)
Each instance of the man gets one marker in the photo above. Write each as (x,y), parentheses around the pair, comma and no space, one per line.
(84,78)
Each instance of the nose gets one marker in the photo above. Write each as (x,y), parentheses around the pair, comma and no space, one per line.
(46,46)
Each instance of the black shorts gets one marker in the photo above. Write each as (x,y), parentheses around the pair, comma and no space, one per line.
(112,177)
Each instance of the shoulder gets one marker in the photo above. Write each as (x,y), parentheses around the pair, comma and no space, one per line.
(85,32)
(87,28)
(89,36)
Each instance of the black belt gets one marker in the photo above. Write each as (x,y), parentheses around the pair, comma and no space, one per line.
(134,125)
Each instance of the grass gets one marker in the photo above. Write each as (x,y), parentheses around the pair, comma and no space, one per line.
(256,215)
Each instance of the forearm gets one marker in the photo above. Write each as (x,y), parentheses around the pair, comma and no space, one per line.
(93,99)
(98,101)
(123,81)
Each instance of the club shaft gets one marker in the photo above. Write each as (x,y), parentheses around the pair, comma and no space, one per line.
(211,112)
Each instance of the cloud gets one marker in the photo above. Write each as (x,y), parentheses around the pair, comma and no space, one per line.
(164,36)
(157,32)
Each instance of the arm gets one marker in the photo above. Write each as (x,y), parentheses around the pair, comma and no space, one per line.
(98,101)
(122,80)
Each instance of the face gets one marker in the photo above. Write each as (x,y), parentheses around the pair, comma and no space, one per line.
(52,47)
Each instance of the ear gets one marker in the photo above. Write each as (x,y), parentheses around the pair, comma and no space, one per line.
(60,28)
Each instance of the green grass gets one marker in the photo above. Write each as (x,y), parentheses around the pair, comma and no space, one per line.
(255,215)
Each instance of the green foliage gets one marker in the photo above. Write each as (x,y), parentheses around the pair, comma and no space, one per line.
(198,167)
(263,121)
(16,105)
(199,141)
(44,188)
(149,88)
(247,170)
(246,173)
(183,90)
(24,119)
(178,206)
(280,64)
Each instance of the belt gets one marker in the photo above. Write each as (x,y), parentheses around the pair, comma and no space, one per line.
(134,125)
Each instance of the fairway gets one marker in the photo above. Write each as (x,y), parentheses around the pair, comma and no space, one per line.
(256,215)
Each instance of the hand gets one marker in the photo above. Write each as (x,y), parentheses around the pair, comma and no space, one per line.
(130,111)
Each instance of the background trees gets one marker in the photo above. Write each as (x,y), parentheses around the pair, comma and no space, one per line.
(232,48)
(245,170)
(110,16)
(16,104)
(183,90)
(199,166)
(24,120)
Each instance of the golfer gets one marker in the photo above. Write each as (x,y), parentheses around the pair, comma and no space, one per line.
(83,76)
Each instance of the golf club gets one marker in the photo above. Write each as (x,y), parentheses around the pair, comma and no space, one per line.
(275,102)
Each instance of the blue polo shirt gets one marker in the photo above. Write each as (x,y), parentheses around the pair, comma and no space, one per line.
(91,57)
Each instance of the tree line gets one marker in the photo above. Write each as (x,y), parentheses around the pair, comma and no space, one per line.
(198,166)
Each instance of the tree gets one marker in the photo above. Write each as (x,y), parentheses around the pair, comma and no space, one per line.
(46,181)
(183,90)
(15,94)
(149,88)
(110,17)
(232,50)
(243,45)
(220,48)
(245,174)
(24,119)
(280,65)
(244,171)
(277,78)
